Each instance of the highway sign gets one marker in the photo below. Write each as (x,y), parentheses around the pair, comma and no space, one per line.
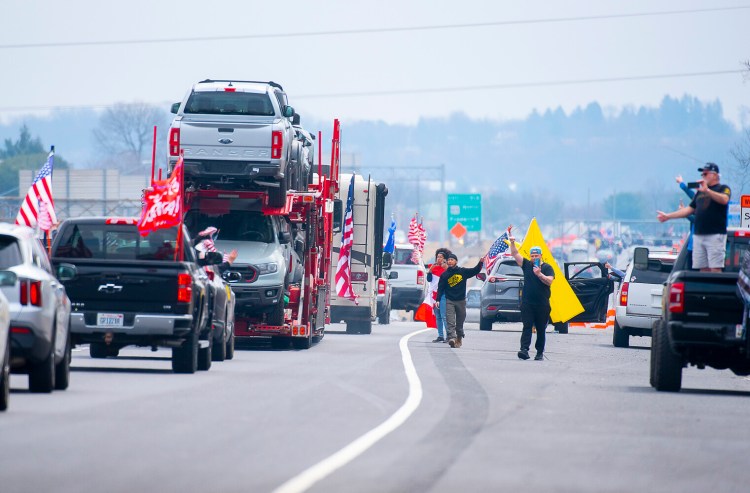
(465,208)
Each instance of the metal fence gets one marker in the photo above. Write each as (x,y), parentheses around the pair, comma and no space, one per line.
(65,208)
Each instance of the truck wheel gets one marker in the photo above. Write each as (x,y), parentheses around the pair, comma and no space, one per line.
(668,364)
(561,327)
(62,369)
(620,337)
(5,377)
(42,375)
(204,354)
(485,323)
(277,195)
(385,317)
(219,347)
(230,345)
(185,357)
(654,352)
(276,315)
(302,342)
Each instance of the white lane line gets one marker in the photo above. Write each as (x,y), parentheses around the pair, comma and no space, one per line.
(307,478)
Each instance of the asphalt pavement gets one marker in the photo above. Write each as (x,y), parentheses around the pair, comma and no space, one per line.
(472,419)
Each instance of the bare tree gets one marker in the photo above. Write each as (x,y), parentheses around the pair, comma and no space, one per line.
(124,135)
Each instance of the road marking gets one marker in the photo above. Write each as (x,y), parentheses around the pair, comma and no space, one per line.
(307,478)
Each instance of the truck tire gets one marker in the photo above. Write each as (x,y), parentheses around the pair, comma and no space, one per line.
(668,364)
(62,369)
(230,345)
(99,350)
(385,317)
(620,336)
(42,375)
(302,342)
(276,315)
(485,323)
(654,352)
(5,377)
(277,195)
(185,357)
(219,347)
(561,327)
(204,355)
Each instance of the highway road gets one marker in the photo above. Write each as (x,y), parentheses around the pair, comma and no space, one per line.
(386,412)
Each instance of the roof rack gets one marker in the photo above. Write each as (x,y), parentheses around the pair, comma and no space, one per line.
(269,82)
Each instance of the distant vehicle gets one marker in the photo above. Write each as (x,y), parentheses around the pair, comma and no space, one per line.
(639,300)
(221,302)
(473,303)
(578,251)
(605,255)
(501,293)
(410,286)
(7,278)
(39,310)
(235,135)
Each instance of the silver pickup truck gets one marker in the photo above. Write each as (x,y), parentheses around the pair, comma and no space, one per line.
(235,135)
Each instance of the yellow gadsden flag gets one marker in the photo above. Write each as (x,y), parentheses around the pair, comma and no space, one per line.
(563,301)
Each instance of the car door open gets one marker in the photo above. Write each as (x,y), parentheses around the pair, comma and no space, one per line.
(592,286)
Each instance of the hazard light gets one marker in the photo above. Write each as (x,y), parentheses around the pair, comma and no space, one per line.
(277,142)
(174,141)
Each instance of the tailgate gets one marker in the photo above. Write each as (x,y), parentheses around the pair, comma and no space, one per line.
(711,297)
(407,277)
(644,299)
(226,140)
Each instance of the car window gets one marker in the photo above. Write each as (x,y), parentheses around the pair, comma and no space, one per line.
(96,241)
(233,226)
(403,256)
(229,103)
(508,269)
(39,256)
(590,271)
(733,254)
(10,252)
(472,298)
(656,273)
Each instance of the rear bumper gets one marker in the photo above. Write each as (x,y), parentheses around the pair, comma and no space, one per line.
(406,298)
(701,334)
(501,309)
(143,324)
(346,313)
(33,347)
(629,320)
(233,170)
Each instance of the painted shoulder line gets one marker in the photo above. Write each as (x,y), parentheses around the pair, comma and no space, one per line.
(324,468)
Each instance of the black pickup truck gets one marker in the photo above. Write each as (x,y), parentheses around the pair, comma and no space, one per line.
(701,322)
(131,290)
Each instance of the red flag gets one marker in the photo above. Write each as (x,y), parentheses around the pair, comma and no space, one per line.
(162,204)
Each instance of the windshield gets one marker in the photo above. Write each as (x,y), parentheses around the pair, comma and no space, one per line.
(10,253)
(403,256)
(116,241)
(233,226)
(508,269)
(229,103)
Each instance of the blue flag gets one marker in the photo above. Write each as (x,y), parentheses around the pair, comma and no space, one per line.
(390,244)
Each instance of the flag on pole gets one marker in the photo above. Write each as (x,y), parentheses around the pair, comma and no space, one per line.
(44,220)
(414,237)
(422,238)
(390,244)
(162,203)
(343,276)
(499,247)
(39,191)
(563,301)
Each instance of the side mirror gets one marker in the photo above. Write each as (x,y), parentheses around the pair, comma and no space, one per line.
(288,111)
(285,237)
(338,214)
(387,260)
(175,108)
(640,258)
(8,278)
(66,272)
(482,276)
(393,275)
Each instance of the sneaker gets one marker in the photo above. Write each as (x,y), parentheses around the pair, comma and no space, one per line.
(539,356)
(452,342)
(523,354)
(439,339)
(459,341)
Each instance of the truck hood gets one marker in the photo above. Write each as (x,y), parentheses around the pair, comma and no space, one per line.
(252,252)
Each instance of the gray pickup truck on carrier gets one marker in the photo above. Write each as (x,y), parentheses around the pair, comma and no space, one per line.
(131,290)
(702,318)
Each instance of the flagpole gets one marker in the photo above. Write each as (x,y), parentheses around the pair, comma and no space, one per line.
(153,157)
(182,211)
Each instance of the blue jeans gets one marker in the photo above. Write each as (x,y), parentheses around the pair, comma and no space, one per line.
(440,317)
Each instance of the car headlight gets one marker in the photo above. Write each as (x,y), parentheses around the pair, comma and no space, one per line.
(268,268)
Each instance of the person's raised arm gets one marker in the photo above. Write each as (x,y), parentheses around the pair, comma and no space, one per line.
(681,212)
(514,251)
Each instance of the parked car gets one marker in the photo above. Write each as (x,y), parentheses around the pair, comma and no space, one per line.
(473,304)
(410,286)
(7,278)
(639,300)
(501,294)
(235,135)
(39,310)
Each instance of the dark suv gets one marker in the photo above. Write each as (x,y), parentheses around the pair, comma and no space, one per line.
(501,294)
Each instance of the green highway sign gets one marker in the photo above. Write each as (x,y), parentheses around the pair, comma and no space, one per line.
(465,208)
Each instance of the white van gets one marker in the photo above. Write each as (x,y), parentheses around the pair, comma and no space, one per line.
(367,252)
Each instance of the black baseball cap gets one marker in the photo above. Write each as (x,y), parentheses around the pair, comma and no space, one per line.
(710,167)
(453,256)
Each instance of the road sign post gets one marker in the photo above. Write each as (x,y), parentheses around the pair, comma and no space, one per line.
(745,212)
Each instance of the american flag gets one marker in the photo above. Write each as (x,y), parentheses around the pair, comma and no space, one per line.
(39,191)
(343,276)
(413,235)
(496,250)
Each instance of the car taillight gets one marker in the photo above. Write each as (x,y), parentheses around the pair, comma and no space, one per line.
(420,277)
(277,142)
(35,293)
(184,288)
(624,294)
(174,141)
(381,286)
(677,297)
(24,294)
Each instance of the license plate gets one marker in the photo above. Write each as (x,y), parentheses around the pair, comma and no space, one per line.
(109,319)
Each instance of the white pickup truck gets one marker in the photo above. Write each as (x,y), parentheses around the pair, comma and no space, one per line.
(410,280)
(235,135)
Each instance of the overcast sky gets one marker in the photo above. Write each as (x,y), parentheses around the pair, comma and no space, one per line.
(526,56)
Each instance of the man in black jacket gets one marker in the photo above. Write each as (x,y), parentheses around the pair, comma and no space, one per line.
(452,284)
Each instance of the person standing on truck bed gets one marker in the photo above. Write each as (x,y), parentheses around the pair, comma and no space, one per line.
(535,307)
(452,284)
(710,206)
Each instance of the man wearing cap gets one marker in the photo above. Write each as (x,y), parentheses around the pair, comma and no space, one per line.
(535,308)
(452,285)
(710,206)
